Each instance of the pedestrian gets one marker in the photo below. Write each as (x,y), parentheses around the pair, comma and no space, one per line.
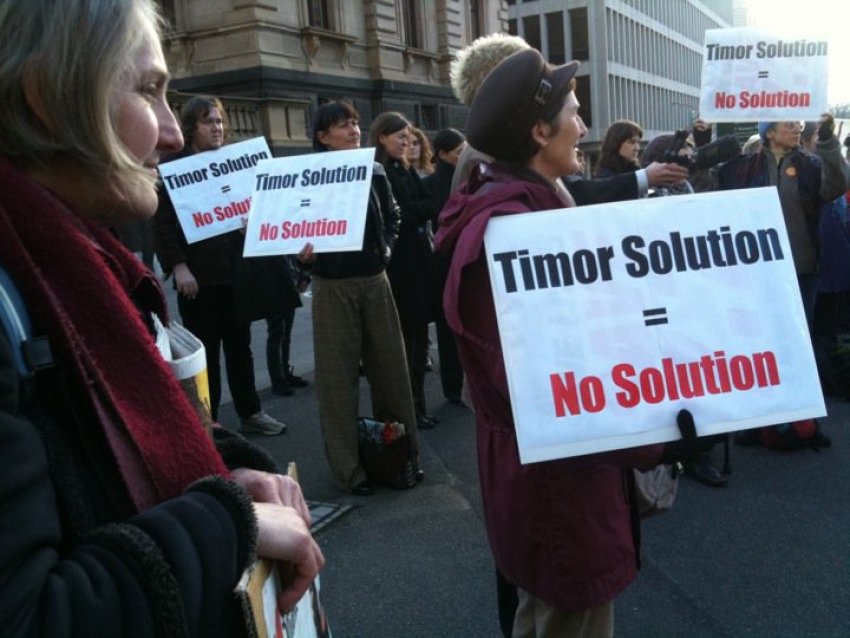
(804,182)
(448,144)
(119,515)
(355,319)
(561,531)
(698,466)
(420,155)
(279,330)
(620,149)
(409,267)
(205,279)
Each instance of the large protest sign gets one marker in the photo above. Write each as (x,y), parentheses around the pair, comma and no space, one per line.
(211,191)
(319,198)
(750,75)
(614,317)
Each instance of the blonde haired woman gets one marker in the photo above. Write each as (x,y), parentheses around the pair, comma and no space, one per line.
(120,516)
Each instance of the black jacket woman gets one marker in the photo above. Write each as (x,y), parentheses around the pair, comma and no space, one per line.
(408,269)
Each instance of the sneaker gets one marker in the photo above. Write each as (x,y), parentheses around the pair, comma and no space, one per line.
(294,381)
(262,423)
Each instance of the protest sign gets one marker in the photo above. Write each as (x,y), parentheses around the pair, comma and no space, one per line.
(211,191)
(614,317)
(321,198)
(751,75)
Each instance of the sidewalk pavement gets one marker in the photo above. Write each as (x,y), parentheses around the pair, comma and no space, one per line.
(766,557)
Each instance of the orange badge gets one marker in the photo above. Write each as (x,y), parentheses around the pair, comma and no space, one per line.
(791,171)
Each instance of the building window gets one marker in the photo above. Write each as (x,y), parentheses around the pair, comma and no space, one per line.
(555,32)
(167,9)
(583,96)
(531,30)
(474,19)
(410,24)
(512,26)
(578,34)
(318,14)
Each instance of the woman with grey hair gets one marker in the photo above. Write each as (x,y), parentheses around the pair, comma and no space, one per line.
(120,516)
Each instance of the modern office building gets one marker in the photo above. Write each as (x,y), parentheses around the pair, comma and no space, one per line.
(641,59)
(273,61)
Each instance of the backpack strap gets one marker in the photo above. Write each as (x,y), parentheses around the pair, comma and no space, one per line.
(30,353)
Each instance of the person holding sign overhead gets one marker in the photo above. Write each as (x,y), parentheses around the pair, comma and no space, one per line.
(805,182)
(204,278)
(564,531)
(119,515)
(355,319)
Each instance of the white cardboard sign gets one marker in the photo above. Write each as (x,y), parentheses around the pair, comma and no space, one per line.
(751,75)
(614,317)
(321,198)
(211,191)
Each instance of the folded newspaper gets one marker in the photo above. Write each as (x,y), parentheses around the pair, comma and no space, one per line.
(185,353)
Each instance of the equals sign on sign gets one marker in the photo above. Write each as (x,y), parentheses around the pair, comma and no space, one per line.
(225,189)
(655,316)
(763,75)
(305,202)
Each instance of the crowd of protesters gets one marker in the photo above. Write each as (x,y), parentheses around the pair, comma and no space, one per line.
(164,513)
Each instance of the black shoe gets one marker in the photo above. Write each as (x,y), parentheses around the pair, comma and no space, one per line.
(820,440)
(704,472)
(363,488)
(282,389)
(424,423)
(293,380)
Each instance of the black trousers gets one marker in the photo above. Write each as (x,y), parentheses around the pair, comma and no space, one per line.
(278,343)
(210,317)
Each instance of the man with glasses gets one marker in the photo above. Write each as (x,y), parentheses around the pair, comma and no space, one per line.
(804,181)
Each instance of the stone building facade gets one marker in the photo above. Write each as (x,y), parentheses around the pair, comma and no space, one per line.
(274,61)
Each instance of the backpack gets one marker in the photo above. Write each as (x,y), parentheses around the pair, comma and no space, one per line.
(30,353)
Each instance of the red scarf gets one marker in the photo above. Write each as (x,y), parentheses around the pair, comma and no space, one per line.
(76,280)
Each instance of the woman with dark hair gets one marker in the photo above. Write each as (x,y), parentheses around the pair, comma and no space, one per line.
(620,149)
(355,319)
(408,270)
(448,145)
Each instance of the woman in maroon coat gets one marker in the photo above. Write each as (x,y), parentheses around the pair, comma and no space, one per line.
(563,531)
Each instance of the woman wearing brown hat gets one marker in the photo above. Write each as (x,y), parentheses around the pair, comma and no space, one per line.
(562,531)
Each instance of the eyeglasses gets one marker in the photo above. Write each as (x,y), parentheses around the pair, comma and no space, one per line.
(792,125)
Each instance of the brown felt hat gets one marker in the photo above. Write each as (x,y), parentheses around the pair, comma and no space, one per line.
(513,96)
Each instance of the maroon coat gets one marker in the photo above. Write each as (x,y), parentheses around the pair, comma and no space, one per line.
(561,530)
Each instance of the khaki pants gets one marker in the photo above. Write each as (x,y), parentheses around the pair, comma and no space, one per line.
(536,619)
(355,319)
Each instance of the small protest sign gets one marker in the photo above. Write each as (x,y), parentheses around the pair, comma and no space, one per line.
(614,317)
(321,198)
(211,191)
(751,75)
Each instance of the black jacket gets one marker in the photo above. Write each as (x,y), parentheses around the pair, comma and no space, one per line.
(382,226)
(602,190)
(75,562)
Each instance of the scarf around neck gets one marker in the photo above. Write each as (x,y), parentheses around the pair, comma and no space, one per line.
(77,281)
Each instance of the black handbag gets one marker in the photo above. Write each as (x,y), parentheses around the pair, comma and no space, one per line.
(385,453)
